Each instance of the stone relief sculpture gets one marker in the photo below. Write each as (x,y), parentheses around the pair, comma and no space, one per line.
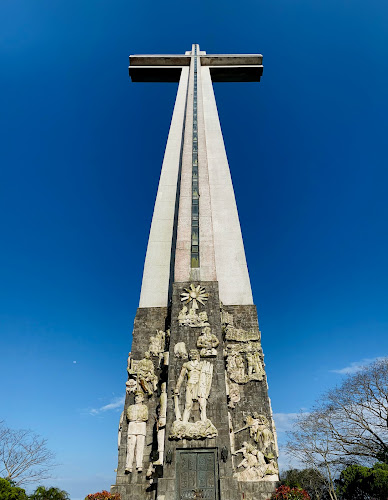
(240,335)
(260,431)
(180,350)
(254,465)
(244,362)
(129,361)
(137,416)
(231,436)
(233,393)
(236,334)
(131,386)
(145,373)
(199,379)
(235,367)
(208,343)
(120,429)
(191,318)
(226,318)
(191,298)
(194,294)
(255,366)
(161,424)
(157,343)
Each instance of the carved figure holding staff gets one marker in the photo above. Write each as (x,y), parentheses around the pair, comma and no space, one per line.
(199,378)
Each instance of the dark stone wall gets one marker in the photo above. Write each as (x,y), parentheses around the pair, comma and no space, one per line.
(254,394)
(254,398)
(217,402)
(135,486)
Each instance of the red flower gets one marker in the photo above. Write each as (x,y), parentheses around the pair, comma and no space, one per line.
(287,493)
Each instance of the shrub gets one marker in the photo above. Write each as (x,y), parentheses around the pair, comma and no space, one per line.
(103,495)
(363,483)
(10,492)
(288,493)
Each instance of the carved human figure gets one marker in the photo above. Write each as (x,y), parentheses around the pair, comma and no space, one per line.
(199,377)
(262,434)
(145,372)
(255,366)
(236,368)
(130,386)
(129,361)
(234,395)
(182,315)
(203,318)
(180,350)
(190,317)
(137,416)
(253,462)
(161,423)
(157,343)
(208,343)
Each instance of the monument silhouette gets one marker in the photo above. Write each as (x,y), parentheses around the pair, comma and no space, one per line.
(197,420)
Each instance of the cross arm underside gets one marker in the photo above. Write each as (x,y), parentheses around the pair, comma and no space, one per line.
(223,68)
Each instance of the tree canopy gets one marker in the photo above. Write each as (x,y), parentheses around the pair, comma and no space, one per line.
(357,482)
(347,426)
(10,492)
(24,456)
(43,493)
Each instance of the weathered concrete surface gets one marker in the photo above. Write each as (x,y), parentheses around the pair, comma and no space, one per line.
(231,266)
(156,274)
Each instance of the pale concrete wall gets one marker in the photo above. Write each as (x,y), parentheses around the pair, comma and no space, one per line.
(206,238)
(156,274)
(183,243)
(231,266)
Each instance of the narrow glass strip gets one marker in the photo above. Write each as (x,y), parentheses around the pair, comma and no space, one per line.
(194,178)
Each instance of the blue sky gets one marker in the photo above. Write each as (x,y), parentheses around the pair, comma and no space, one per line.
(81,151)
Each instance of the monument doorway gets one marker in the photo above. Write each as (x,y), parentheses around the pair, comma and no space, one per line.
(197,474)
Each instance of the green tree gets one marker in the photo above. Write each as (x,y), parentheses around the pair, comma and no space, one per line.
(357,482)
(42,493)
(311,480)
(10,492)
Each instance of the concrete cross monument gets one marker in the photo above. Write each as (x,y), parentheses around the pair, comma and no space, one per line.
(202,374)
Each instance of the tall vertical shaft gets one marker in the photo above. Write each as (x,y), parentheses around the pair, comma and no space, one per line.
(197,419)
(196,190)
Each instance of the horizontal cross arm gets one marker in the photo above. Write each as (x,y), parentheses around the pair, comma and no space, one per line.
(159,60)
(231,60)
(155,73)
(251,73)
(223,67)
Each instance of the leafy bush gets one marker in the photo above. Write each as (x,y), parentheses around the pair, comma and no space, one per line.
(363,483)
(288,493)
(103,495)
(10,492)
